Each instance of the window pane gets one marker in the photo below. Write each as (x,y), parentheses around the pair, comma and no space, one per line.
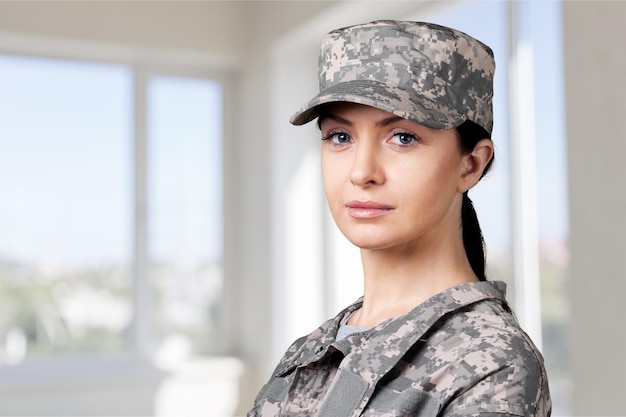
(65,217)
(185,219)
(552,197)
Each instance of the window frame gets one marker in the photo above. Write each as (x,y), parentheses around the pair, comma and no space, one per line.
(144,64)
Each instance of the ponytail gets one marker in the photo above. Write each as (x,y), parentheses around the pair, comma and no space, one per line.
(473,238)
(469,135)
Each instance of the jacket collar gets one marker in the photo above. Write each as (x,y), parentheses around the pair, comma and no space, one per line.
(374,352)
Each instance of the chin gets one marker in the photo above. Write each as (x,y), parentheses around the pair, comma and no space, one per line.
(369,242)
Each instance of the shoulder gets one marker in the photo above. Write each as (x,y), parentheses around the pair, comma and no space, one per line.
(489,336)
(479,356)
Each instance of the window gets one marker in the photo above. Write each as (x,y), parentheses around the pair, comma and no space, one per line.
(65,181)
(185,221)
(71,234)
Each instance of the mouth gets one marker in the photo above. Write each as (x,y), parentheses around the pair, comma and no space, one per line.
(367,209)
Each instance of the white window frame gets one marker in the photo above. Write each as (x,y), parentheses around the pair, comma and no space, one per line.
(144,63)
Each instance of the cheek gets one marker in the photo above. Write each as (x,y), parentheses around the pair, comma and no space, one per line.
(330,177)
(428,182)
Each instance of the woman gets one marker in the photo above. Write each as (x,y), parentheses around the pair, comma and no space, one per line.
(405,112)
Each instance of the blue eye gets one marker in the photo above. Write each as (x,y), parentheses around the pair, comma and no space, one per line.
(403,138)
(338,137)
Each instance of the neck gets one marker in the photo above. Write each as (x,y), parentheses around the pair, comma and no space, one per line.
(399,279)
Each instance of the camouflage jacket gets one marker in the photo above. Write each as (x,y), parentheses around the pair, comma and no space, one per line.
(460,353)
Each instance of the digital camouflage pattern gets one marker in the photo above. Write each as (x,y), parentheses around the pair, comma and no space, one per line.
(460,353)
(429,74)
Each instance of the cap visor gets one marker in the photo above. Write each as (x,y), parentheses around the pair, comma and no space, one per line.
(406,104)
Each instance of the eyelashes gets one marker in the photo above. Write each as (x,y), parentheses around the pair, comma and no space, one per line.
(338,137)
(405,138)
(400,138)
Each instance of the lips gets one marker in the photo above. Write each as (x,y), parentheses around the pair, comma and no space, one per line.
(367,209)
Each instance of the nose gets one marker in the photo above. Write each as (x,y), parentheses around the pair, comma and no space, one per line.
(366,165)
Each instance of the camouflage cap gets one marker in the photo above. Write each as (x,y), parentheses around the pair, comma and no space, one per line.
(430,74)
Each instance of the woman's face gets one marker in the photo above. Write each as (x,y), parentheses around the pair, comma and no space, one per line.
(390,182)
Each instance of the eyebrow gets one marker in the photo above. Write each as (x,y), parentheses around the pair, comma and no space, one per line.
(381,123)
(389,120)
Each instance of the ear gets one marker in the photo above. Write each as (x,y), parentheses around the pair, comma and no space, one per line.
(474,163)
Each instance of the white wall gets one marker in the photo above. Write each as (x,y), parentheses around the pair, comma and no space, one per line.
(197,27)
(595,62)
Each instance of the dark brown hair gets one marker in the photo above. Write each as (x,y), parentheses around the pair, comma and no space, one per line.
(470,134)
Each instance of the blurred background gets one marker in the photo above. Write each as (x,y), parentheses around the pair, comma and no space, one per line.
(163,229)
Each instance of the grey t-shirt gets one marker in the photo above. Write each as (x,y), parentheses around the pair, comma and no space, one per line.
(346,330)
